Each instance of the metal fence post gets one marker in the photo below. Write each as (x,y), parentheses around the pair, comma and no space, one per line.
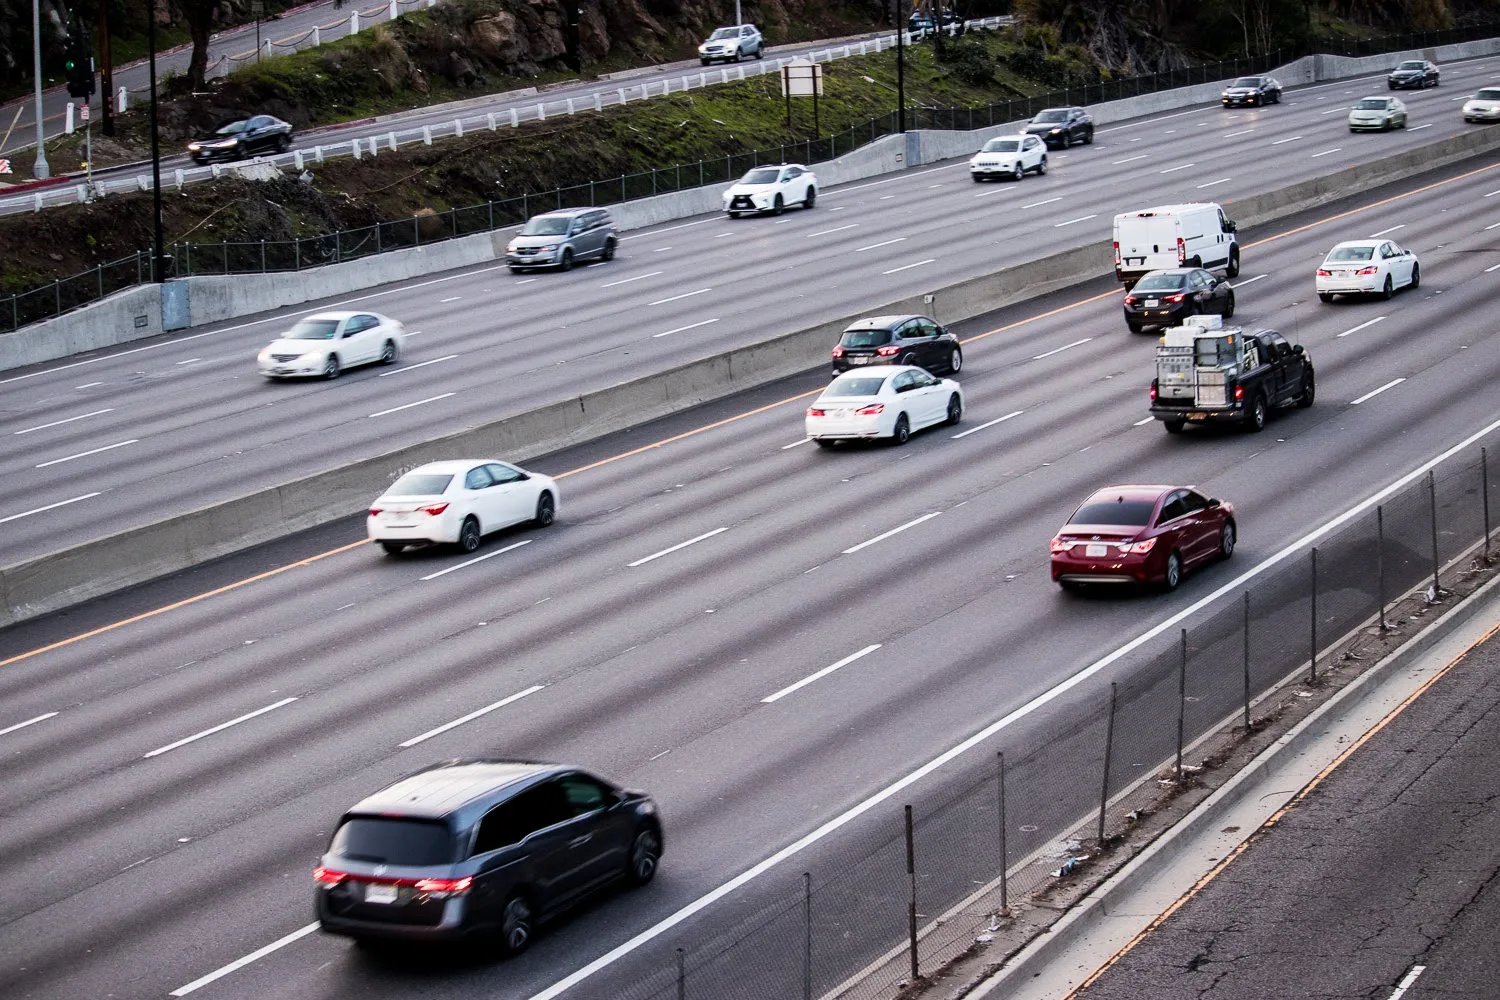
(1484,493)
(1380,563)
(911,900)
(491,206)
(57,296)
(297,252)
(263,255)
(1247,660)
(1312,668)
(1437,591)
(681,974)
(1109,746)
(807,938)
(1181,701)
(1004,851)
(99,274)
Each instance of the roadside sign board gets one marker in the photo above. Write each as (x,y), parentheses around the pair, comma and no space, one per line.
(83,113)
(4,166)
(802,79)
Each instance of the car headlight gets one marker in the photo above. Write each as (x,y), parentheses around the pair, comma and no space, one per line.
(510,248)
(549,248)
(1055,131)
(264,355)
(193,147)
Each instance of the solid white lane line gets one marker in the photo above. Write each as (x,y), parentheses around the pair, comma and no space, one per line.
(819,674)
(1420,127)
(1221,180)
(795,444)
(1249,281)
(690,326)
(420,364)
(220,727)
(1231,135)
(668,229)
(674,548)
(674,298)
(894,531)
(187,362)
(661,250)
(689,910)
(240,963)
(476,559)
(28,722)
(1491,194)
(1493,225)
(1128,159)
(997,420)
(1143,422)
(88,385)
(836,229)
(418,333)
(59,423)
(1356,329)
(451,298)
(1180,166)
(1384,231)
(876,246)
(86,454)
(1291,138)
(526,281)
(1047,201)
(50,506)
(1081,218)
(1059,350)
(1407,981)
(486,710)
(1492,267)
(1330,111)
(1336,149)
(1372,394)
(626,281)
(908,267)
(407,406)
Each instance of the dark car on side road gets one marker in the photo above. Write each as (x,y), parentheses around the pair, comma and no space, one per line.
(1059,128)
(1167,297)
(1141,535)
(241,137)
(897,340)
(482,847)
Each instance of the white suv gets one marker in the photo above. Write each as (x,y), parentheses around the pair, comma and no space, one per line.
(732,45)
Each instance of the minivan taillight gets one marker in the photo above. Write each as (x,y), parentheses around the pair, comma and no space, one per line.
(445,886)
(328,876)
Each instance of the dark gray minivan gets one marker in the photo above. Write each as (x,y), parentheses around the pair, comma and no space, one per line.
(482,846)
(562,238)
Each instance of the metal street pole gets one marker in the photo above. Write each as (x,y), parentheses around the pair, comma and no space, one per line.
(158,265)
(738,17)
(40,171)
(900,71)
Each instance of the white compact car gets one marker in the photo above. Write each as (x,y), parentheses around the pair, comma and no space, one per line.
(1011,156)
(459,502)
(1483,106)
(1378,114)
(732,44)
(771,189)
(883,401)
(1367,267)
(324,344)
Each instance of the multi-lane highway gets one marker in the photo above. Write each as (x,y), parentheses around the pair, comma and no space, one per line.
(122,438)
(167,779)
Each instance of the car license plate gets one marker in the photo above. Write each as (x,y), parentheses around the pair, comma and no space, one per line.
(856,359)
(1152,303)
(380,893)
(1096,551)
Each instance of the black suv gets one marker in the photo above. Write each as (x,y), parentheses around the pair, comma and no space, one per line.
(897,340)
(482,846)
(1061,127)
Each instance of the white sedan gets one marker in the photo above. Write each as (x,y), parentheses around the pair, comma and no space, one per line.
(324,344)
(1011,156)
(883,401)
(1483,106)
(771,189)
(1367,267)
(459,502)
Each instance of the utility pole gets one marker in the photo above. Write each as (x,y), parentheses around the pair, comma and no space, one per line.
(158,263)
(900,70)
(106,70)
(738,17)
(40,171)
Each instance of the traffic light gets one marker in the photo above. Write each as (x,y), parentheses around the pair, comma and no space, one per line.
(79,65)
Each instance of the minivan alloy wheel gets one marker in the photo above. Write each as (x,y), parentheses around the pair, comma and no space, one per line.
(645,855)
(515,925)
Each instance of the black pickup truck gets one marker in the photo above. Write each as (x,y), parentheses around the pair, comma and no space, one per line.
(1228,376)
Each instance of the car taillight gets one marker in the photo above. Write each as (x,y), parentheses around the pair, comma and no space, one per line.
(446,886)
(1323,272)
(1372,269)
(1117,253)
(1131,300)
(375,511)
(838,352)
(1176,298)
(874,409)
(433,508)
(1181,251)
(1058,545)
(1139,548)
(1153,391)
(813,411)
(1239,392)
(886,352)
(327,876)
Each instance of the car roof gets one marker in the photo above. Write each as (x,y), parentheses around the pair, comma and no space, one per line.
(449,466)
(1359,243)
(446,788)
(566,213)
(337,314)
(880,322)
(1138,492)
(1171,270)
(880,371)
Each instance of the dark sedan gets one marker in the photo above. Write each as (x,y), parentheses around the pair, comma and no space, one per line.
(1061,127)
(897,340)
(1165,298)
(241,137)
(1412,74)
(1251,90)
(1141,535)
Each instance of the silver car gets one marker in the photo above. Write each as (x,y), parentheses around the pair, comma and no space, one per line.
(1379,114)
(562,238)
(732,45)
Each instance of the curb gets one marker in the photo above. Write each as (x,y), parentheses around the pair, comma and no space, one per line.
(1080,921)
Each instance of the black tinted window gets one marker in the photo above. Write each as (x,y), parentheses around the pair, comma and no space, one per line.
(865,338)
(1114,511)
(380,840)
(584,795)
(1192,501)
(513,821)
(419,484)
(1159,283)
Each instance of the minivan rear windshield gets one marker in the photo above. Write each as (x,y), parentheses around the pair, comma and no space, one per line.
(1128,512)
(865,338)
(384,841)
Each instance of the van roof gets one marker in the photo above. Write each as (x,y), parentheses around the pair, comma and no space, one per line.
(1192,206)
(446,788)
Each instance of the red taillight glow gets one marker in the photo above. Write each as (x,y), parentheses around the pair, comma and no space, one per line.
(813,411)
(886,352)
(1323,272)
(1176,298)
(375,511)
(1117,253)
(1372,269)
(447,885)
(1181,251)
(1153,390)
(327,876)
(1058,545)
(1239,392)
(433,508)
(1140,548)
(838,352)
(874,409)
(1131,300)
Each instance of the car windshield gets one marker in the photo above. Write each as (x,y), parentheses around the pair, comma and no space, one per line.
(1488,94)
(724,33)
(546,225)
(233,128)
(1246,81)
(1001,146)
(865,338)
(313,329)
(1051,116)
(1159,283)
(1410,64)
(420,484)
(1114,510)
(393,841)
(859,385)
(764,175)
(1351,253)
(1371,104)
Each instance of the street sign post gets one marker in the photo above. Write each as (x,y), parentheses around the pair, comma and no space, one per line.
(802,78)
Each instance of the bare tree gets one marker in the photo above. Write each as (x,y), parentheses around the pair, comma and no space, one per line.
(199,15)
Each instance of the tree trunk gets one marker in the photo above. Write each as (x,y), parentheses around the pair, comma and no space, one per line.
(199,15)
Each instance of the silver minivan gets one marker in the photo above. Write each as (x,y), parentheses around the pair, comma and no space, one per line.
(562,238)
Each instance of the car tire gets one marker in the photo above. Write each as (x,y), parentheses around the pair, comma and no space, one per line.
(1232,269)
(779,207)
(1388,289)
(908,359)
(812,197)
(1227,540)
(955,411)
(1067,140)
(1256,421)
(1135,327)
(738,55)
(760,52)
(469,536)
(1070,586)
(610,246)
(1229,306)
(733,215)
(517,923)
(546,510)
(955,361)
(1088,137)
(1326,296)
(644,857)
(393,548)
(331,367)
(1041,168)
(514,269)
(902,432)
(1309,392)
(1389,85)
(704,61)
(1018,173)
(566,264)
(1416,276)
(388,353)
(824,442)
(1173,426)
(1172,575)
(977,179)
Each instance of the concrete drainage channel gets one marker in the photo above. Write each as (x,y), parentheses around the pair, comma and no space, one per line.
(69,576)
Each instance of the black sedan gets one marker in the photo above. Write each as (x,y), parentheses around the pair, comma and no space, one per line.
(1251,90)
(1061,127)
(1167,297)
(242,137)
(897,340)
(1412,74)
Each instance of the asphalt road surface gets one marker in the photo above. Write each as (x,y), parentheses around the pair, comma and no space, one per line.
(122,438)
(131,869)
(1382,883)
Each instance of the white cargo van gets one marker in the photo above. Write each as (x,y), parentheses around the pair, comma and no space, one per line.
(1194,235)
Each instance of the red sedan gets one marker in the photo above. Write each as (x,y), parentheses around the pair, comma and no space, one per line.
(1141,534)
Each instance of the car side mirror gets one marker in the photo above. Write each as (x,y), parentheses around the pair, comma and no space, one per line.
(1229,226)
(1296,348)
(1214,502)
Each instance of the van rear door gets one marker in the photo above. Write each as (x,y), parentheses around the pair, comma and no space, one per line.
(1147,241)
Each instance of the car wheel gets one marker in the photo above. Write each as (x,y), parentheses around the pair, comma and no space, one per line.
(1041,168)
(610,246)
(824,442)
(388,353)
(703,61)
(1390,86)
(1135,327)
(1229,306)
(546,510)
(733,215)
(1416,276)
(516,925)
(1309,392)
(1019,172)
(645,857)
(812,197)
(1173,575)
(1232,269)
(331,367)
(514,269)
(955,361)
(1326,296)
(468,534)
(902,433)
(978,179)
(1088,137)
(955,410)
(907,359)
(393,548)
(566,264)
(1257,421)
(1070,586)
(1388,289)
(738,55)
(1067,140)
(1226,540)
(779,207)
(1173,426)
